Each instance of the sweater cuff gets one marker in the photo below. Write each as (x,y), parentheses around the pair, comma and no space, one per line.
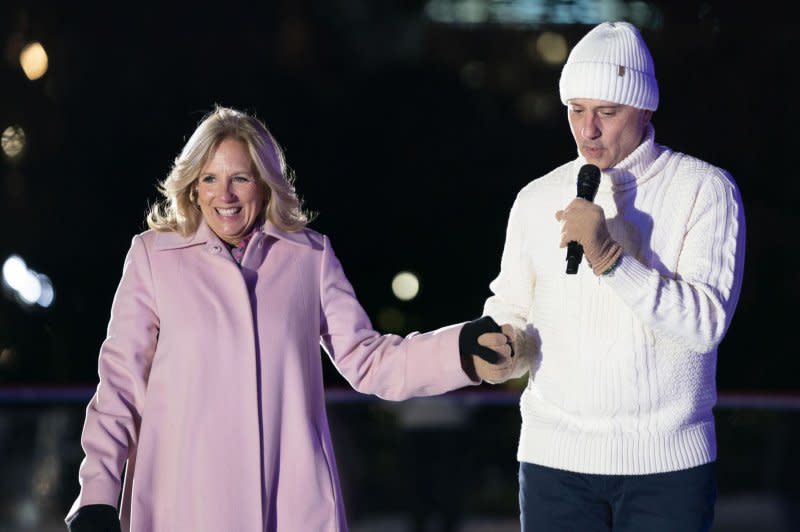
(629,278)
(608,259)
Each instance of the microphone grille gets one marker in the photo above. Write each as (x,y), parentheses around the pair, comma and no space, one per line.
(588,181)
(589,174)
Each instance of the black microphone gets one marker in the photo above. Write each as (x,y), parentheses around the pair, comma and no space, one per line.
(588,182)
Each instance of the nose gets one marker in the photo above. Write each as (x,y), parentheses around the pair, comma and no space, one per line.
(226,194)
(589,129)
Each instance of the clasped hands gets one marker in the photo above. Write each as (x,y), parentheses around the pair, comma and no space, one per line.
(585,223)
(493,353)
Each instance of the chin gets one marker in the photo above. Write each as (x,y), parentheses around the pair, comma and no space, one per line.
(600,163)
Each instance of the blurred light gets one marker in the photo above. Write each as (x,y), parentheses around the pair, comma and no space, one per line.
(48,294)
(6,356)
(33,59)
(474,11)
(391,320)
(538,12)
(473,74)
(13,141)
(459,11)
(27,514)
(552,48)
(405,286)
(645,15)
(14,271)
(45,476)
(533,107)
(30,287)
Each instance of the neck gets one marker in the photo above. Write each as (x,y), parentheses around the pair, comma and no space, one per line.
(629,170)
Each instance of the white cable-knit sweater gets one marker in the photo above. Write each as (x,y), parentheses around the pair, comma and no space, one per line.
(624,382)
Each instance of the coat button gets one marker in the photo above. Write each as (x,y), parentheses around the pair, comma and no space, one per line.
(260,243)
(215,249)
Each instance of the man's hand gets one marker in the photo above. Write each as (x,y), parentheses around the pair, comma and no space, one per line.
(515,351)
(500,343)
(585,223)
(492,353)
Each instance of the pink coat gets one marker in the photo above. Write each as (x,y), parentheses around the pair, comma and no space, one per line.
(211,384)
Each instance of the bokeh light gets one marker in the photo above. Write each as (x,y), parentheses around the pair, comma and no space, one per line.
(33,60)
(552,48)
(47,293)
(392,320)
(27,514)
(13,141)
(533,106)
(6,356)
(473,74)
(14,271)
(405,286)
(29,286)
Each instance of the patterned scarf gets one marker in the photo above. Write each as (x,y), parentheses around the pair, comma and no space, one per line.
(237,251)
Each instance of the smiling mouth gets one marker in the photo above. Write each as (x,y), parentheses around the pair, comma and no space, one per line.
(229,212)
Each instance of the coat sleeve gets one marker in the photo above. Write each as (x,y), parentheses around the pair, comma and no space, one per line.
(512,290)
(695,306)
(113,415)
(389,366)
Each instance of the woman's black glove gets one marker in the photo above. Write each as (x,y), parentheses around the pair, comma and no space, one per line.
(468,338)
(493,361)
(95,518)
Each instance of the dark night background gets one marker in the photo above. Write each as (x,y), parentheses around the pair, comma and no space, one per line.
(391,147)
(409,136)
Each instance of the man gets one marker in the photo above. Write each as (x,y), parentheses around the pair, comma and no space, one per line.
(617,425)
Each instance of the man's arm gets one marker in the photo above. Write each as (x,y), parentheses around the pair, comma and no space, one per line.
(697,304)
(512,292)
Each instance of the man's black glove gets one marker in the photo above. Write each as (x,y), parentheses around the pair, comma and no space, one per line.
(95,518)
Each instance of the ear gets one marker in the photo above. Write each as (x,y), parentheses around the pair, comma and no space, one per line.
(647,115)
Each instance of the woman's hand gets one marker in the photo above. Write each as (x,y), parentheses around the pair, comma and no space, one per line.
(492,353)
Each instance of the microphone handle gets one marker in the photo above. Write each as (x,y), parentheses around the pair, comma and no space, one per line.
(574,256)
(587,185)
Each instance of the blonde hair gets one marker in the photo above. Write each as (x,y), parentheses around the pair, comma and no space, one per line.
(178,210)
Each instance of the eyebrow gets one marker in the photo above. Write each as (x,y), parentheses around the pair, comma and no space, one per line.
(237,172)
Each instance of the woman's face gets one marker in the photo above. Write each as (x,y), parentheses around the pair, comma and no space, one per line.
(229,193)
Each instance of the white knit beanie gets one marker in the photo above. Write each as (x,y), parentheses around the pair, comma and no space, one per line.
(611,63)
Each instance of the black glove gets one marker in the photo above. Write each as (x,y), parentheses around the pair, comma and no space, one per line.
(95,518)
(468,338)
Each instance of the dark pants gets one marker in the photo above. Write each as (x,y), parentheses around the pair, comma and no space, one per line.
(560,501)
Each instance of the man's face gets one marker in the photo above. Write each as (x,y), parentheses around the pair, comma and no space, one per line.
(606,132)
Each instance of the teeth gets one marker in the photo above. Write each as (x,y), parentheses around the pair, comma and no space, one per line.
(229,212)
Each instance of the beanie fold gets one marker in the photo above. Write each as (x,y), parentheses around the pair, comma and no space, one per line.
(602,81)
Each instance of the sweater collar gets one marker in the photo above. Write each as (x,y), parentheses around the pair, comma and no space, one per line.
(633,169)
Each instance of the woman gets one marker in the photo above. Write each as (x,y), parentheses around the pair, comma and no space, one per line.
(211,386)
